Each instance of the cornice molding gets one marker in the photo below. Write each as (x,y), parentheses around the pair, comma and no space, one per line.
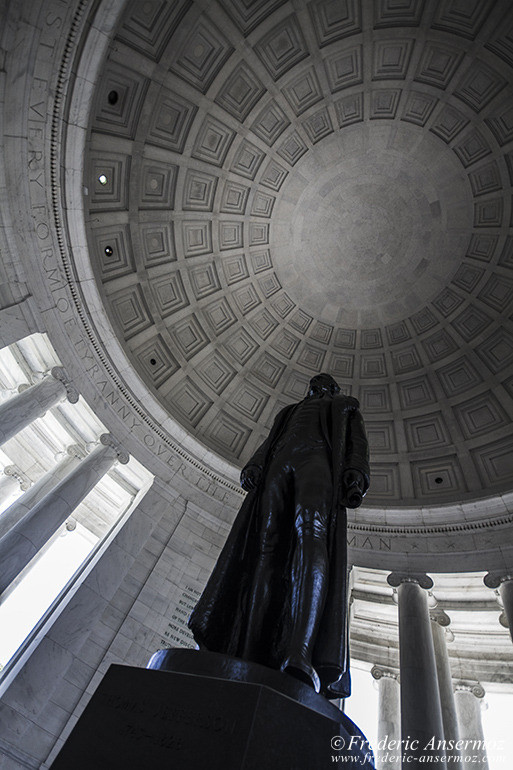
(440,529)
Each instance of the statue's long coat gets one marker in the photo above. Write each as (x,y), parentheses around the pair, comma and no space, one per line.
(218,621)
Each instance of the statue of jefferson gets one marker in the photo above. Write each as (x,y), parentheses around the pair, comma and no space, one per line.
(278,593)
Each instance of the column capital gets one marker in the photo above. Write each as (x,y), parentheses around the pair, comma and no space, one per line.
(495,578)
(396,578)
(6,392)
(503,620)
(379,672)
(74,450)
(440,616)
(107,439)
(475,688)
(15,473)
(59,373)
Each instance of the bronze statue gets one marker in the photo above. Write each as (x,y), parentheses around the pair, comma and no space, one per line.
(278,593)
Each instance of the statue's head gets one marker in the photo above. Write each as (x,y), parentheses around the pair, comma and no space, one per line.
(323,384)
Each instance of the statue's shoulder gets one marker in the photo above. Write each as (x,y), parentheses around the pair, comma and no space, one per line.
(348,403)
(282,414)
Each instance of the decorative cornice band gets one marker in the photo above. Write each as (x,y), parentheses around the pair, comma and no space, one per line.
(440,529)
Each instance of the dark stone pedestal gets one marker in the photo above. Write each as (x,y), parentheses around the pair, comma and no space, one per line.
(202,710)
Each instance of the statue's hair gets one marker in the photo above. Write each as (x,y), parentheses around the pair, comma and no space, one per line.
(334,386)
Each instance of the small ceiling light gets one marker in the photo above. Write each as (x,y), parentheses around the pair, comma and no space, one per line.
(112,97)
(102,179)
(109,251)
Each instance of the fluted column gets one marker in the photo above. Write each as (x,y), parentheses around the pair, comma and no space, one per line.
(504,582)
(18,412)
(20,507)
(389,718)
(468,706)
(439,622)
(421,716)
(29,534)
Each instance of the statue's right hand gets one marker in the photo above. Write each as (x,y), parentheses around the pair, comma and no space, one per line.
(250,477)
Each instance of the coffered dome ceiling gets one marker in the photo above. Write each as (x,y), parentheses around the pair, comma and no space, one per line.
(276,189)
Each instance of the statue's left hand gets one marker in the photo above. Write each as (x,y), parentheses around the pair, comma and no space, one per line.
(353,485)
(249,477)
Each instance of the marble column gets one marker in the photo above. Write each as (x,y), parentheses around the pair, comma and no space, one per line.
(504,582)
(439,622)
(389,718)
(468,706)
(29,534)
(20,507)
(422,730)
(18,412)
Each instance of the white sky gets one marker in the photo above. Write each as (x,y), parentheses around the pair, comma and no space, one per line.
(23,607)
